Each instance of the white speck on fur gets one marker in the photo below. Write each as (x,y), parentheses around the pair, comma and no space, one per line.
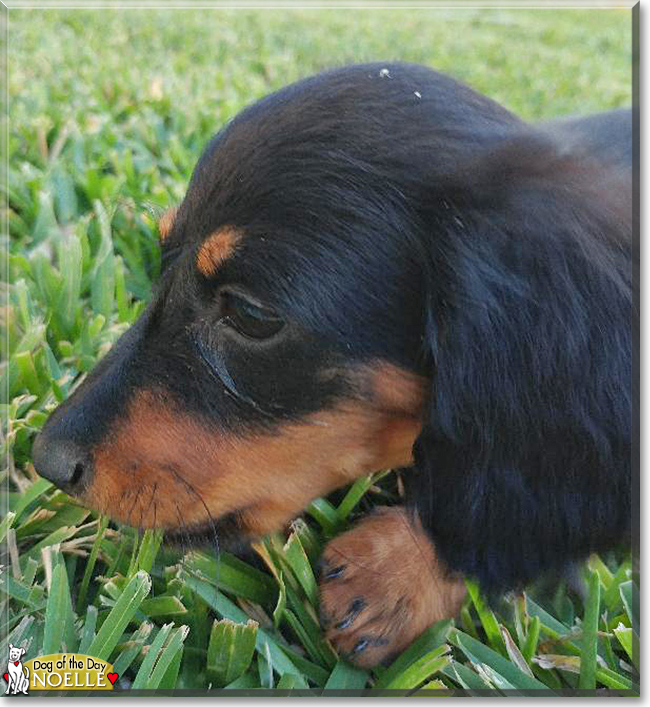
(385,73)
(418,94)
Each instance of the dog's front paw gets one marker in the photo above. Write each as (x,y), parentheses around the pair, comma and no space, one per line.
(382,585)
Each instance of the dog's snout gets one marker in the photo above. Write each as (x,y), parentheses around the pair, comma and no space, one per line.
(64,450)
(62,461)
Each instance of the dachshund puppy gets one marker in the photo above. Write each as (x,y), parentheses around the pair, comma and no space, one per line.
(378,268)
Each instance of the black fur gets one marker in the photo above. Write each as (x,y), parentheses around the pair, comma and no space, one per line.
(393,214)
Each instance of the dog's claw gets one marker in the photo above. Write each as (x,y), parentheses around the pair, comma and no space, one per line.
(334,573)
(356,607)
(360,646)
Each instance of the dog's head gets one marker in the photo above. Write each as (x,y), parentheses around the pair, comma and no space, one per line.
(341,241)
(15,653)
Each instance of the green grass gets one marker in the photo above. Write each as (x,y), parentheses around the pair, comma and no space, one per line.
(109,111)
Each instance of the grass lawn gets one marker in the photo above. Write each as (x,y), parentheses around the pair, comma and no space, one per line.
(109,110)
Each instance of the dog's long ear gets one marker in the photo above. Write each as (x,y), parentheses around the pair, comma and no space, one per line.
(524,459)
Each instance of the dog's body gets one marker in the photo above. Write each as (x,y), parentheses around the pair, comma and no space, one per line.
(376,268)
(18,676)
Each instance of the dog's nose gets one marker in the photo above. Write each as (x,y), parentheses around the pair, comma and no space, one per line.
(61,461)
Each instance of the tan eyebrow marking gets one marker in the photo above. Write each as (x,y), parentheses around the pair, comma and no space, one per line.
(216,249)
(166,222)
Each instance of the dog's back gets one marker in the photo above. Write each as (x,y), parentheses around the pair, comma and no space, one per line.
(607,136)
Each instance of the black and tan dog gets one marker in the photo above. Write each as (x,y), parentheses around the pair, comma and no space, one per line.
(376,268)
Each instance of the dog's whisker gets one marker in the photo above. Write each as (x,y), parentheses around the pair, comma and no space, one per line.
(155,504)
(189,486)
(142,507)
(183,535)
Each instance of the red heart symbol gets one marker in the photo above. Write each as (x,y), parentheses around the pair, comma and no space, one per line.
(6,677)
(17,662)
(112,677)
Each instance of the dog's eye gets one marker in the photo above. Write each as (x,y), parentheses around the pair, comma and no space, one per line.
(248,318)
(168,255)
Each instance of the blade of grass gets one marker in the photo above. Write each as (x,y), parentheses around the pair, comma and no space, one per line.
(612,598)
(29,573)
(245,682)
(132,648)
(356,493)
(324,513)
(514,653)
(70,263)
(595,564)
(120,615)
(434,685)
(609,678)
(432,638)
(90,564)
(265,667)
(299,562)
(88,631)
(231,649)
(35,490)
(58,611)
(345,677)
(491,676)
(308,539)
(170,678)
(552,627)
(5,524)
(17,634)
(627,595)
(305,622)
(153,652)
(55,538)
(291,682)
(31,597)
(479,654)
(468,623)
(148,549)
(487,618)
(552,661)
(167,656)
(263,551)
(234,576)
(315,673)
(225,608)
(103,280)
(589,640)
(425,667)
(529,648)
(163,606)
(467,678)
(629,642)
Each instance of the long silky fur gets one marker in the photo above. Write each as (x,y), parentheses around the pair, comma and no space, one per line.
(524,461)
